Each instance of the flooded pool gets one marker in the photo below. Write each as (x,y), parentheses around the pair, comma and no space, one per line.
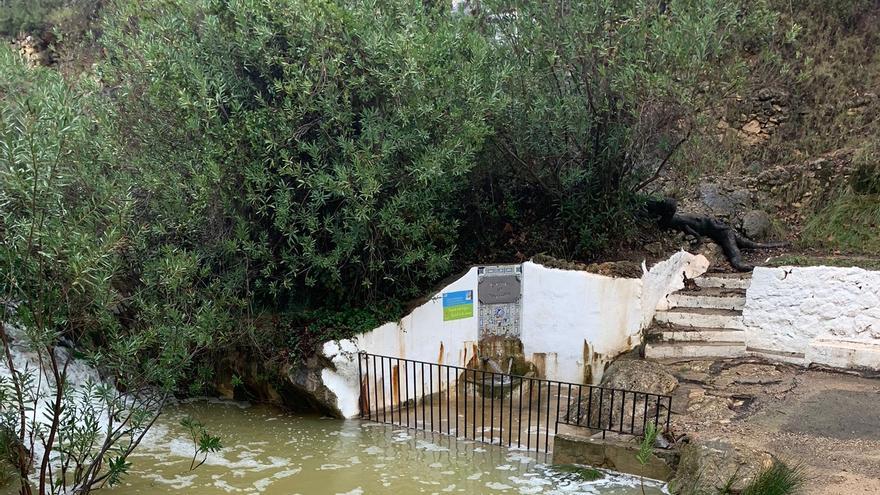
(267,451)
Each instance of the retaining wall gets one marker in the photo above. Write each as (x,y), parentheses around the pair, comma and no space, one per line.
(815,315)
(573,323)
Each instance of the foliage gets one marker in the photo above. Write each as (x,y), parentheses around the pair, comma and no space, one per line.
(777,479)
(646,448)
(66,227)
(203,442)
(320,147)
(850,223)
(20,16)
(598,96)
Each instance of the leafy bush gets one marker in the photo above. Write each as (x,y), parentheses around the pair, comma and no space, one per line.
(66,231)
(312,152)
(598,95)
(19,16)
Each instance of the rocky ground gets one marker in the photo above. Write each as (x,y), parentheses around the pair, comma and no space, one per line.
(827,422)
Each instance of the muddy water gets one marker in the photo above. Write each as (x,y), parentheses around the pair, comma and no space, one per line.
(267,451)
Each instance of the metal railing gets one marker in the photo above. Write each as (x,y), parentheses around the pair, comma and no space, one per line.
(498,408)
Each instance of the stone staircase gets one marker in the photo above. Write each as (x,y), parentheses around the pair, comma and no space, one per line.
(703,323)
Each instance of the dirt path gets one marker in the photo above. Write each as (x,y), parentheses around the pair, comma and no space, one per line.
(828,422)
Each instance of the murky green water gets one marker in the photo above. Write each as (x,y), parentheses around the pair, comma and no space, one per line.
(267,451)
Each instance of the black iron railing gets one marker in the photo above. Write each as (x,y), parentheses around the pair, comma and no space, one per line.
(498,408)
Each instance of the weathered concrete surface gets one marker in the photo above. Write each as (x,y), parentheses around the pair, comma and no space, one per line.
(826,421)
(615,454)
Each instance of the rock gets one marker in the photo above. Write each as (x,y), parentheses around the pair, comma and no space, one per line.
(756,224)
(764,94)
(632,375)
(707,466)
(713,253)
(718,203)
(298,387)
(752,127)
(641,376)
(654,248)
(306,389)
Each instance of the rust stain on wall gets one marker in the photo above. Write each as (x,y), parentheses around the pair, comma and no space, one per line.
(591,360)
(539,359)
(440,357)
(365,398)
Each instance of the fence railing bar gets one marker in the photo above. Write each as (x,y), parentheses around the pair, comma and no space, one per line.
(492,409)
(610,415)
(474,407)
(448,417)
(431,393)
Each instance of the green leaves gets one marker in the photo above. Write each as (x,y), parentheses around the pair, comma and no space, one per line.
(338,132)
(203,442)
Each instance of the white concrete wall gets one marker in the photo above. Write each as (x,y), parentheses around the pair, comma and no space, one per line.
(831,315)
(577,319)
(571,321)
(666,277)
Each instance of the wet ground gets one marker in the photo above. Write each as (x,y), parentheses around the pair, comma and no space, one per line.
(828,422)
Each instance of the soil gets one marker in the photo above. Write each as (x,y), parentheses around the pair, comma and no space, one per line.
(827,422)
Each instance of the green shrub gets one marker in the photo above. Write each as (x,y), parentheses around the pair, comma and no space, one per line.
(311,152)
(597,96)
(22,16)
(778,479)
(850,223)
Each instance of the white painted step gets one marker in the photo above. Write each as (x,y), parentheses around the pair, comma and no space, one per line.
(719,299)
(701,318)
(724,280)
(690,334)
(686,350)
(796,358)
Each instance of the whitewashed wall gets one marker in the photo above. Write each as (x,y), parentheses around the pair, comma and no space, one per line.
(571,321)
(828,315)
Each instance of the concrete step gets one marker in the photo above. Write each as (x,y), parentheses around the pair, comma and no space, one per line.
(717,298)
(724,280)
(691,334)
(693,350)
(774,355)
(701,318)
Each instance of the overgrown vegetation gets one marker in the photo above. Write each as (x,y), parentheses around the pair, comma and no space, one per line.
(270,175)
(823,56)
(23,16)
(65,235)
(777,479)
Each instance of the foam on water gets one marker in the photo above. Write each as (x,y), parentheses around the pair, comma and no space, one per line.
(274,453)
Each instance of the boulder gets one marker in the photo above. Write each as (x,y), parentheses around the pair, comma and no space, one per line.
(756,225)
(641,376)
(633,376)
(708,466)
(713,253)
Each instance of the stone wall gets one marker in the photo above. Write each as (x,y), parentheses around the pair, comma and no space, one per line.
(819,315)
